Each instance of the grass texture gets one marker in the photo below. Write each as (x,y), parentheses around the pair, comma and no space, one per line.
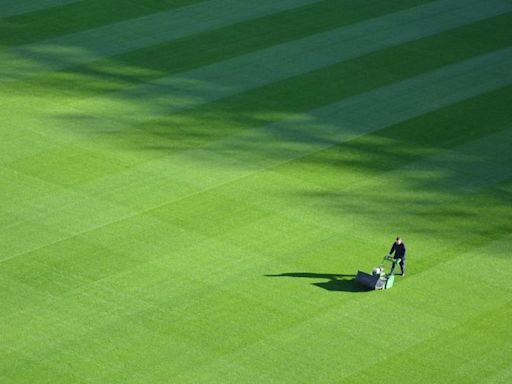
(188,188)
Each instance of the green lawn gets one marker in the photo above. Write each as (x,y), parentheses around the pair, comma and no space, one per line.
(188,188)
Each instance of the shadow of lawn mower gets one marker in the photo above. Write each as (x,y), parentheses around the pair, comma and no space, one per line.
(379,279)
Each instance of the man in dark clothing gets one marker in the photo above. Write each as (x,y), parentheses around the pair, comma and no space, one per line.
(398,248)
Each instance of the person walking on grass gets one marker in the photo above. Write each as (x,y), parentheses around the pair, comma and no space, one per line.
(398,248)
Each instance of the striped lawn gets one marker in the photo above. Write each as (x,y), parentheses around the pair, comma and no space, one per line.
(14,7)
(189,186)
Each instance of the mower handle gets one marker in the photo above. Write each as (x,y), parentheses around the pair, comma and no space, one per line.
(389,258)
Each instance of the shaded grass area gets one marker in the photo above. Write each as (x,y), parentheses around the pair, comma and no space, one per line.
(253,35)
(30,60)
(209,47)
(75,17)
(267,104)
(280,100)
(412,140)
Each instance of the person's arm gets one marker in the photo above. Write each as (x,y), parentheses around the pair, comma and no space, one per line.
(393,249)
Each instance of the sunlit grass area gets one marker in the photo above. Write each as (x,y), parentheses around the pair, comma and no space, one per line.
(189,187)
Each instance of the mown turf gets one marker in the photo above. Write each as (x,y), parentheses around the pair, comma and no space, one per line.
(188,188)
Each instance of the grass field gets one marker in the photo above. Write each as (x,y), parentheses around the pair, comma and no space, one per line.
(188,188)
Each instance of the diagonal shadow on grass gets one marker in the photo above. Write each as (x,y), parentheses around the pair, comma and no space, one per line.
(335,282)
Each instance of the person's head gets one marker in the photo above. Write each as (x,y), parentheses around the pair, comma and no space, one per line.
(398,240)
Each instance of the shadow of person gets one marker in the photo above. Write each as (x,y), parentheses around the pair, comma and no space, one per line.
(335,282)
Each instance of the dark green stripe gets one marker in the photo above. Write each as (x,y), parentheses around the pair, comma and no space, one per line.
(75,17)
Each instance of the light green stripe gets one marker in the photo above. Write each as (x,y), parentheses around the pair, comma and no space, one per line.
(129,35)
(209,83)
(17,7)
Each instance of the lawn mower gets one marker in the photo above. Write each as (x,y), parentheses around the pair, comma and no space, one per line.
(378,279)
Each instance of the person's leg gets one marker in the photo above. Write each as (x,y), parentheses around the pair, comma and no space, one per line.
(402,265)
(395,261)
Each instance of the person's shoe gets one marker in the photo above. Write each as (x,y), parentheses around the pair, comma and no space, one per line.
(403,274)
